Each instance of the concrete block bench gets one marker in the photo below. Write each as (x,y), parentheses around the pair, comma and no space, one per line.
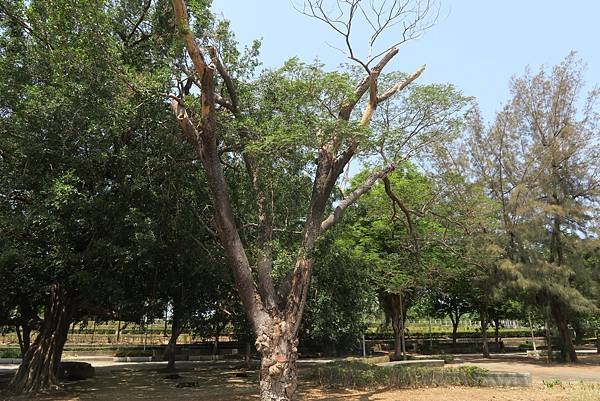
(132,359)
(10,361)
(505,379)
(417,363)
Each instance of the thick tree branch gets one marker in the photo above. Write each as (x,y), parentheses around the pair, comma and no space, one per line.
(226,78)
(340,209)
(207,150)
(363,86)
(264,263)
(329,168)
(4,10)
(139,21)
(396,201)
(401,85)
(193,49)
(187,127)
(371,104)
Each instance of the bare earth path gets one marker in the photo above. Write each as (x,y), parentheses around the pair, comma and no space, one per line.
(233,382)
(588,368)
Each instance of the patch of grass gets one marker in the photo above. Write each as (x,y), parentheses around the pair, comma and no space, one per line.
(585,392)
(371,360)
(133,352)
(447,358)
(359,375)
(11,353)
(527,346)
(552,383)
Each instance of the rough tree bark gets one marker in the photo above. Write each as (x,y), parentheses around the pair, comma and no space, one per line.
(455,318)
(395,308)
(40,363)
(484,326)
(247,353)
(25,325)
(172,344)
(497,332)
(567,349)
(548,334)
(19,338)
(275,312)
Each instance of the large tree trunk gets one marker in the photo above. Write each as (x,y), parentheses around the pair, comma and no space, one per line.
(397,326)
(26,338)
(118,332)
(395,309)
(548,339)
(20,338)
(172,344)
(41,361)
(455,321)
(567,349)
(247,353)
(484,326)
(497,331)
(397,342)
(278,370)
(215,350)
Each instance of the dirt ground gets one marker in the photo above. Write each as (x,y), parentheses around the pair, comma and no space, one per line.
(587,369)
(233,382)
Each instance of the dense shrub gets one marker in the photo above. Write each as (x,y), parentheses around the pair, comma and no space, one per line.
(10,353)
(359,375)
(133,352)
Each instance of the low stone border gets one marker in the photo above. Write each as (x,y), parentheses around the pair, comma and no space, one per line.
(10,361)
(417,363)
(504,379)
(132,359)
(205,357)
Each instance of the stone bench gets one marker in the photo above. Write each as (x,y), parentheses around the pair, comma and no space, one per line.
(417,363)
(504,379)
(10,361)
(132,359)
(72,370)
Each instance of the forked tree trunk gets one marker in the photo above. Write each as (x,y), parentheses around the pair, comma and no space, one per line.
(41,361)
(567,349)
(24,338)
(278,370)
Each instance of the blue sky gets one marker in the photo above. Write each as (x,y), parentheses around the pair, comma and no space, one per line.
(476,44)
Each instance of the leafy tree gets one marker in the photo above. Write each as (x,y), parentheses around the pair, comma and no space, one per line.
(302,119)
(452,292)
(68,115)
(340,300)
(544,174)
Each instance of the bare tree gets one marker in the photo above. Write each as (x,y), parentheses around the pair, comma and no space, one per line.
(275,311)
(413,16)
